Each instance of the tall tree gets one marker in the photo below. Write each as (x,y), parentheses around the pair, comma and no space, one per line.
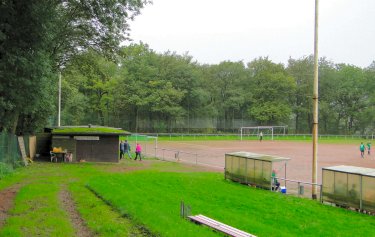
(25,65)
(351,97)
(228,94)
(272,90)
(92,75)
(302,72)
(367,116)
(138,68)
(328,84)
(37,37)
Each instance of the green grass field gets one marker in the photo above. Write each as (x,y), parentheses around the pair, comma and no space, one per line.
(143,199)
(153,198)
(294,138)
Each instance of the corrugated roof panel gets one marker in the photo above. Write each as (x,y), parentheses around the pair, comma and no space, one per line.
(352,170)
(257,156)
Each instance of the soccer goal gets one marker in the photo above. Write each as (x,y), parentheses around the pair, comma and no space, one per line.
(266,131)
(148,143)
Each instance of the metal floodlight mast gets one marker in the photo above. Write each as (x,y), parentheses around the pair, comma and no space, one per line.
(315,107)
(59,109)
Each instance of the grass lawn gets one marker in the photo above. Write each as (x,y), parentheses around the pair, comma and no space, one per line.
(153,198)
(143,199)
(38,210)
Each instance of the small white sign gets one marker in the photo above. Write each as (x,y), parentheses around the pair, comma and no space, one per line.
(61,137)
(87,138)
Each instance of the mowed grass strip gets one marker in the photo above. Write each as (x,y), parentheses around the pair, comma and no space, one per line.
(153,199)
(99,217)
(37,212)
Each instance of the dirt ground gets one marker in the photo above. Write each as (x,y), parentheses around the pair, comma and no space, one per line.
(6,201)
(212,153)
(68,204)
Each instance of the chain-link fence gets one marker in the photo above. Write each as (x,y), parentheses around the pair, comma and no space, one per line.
(10,156)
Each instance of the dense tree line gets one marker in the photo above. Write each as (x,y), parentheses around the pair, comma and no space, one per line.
(38,37)
(140,90)
(145,91)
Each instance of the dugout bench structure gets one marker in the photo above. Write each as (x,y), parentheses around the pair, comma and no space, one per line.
(349,186)
(254,169)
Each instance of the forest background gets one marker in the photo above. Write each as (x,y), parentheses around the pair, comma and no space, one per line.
(135,88)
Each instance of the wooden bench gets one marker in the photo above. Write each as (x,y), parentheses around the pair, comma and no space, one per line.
(226,229)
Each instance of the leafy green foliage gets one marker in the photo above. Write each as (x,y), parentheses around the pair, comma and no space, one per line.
(272,91)
(37,38)
(151,92)
(5,169)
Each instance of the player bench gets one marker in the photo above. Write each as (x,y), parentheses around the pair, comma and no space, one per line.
(226,229)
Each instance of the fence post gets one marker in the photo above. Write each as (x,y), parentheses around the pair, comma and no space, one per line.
(188,211)
(298,189)
(177,156)
(182,209)
(321,193)
(360,194)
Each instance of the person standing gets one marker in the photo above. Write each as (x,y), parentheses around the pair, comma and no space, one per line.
(127,149)
(362,149)
(122,149)
(275,182)
(138,150)
(368,148)
(260,136)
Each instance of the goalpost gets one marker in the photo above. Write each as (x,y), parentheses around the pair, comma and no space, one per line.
(149,143)
(257,129)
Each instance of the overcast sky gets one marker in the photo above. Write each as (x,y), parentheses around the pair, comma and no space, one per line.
(216,30)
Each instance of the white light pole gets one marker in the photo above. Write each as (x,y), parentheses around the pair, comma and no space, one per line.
(315,107)
(59,112)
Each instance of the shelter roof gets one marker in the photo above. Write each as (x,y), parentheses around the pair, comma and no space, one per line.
(88,130)
(256,156)
(352,170)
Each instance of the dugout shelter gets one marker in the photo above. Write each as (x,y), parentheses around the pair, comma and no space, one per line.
(254,169)
(349,186)
(91,143)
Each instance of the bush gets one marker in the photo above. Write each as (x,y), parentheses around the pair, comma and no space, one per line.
(5,169)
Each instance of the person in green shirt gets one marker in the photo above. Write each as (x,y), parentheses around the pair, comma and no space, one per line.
(368,147)
(275,182)
(362,149)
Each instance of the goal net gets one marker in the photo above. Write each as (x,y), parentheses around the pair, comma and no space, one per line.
(266,131)
(149,143)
